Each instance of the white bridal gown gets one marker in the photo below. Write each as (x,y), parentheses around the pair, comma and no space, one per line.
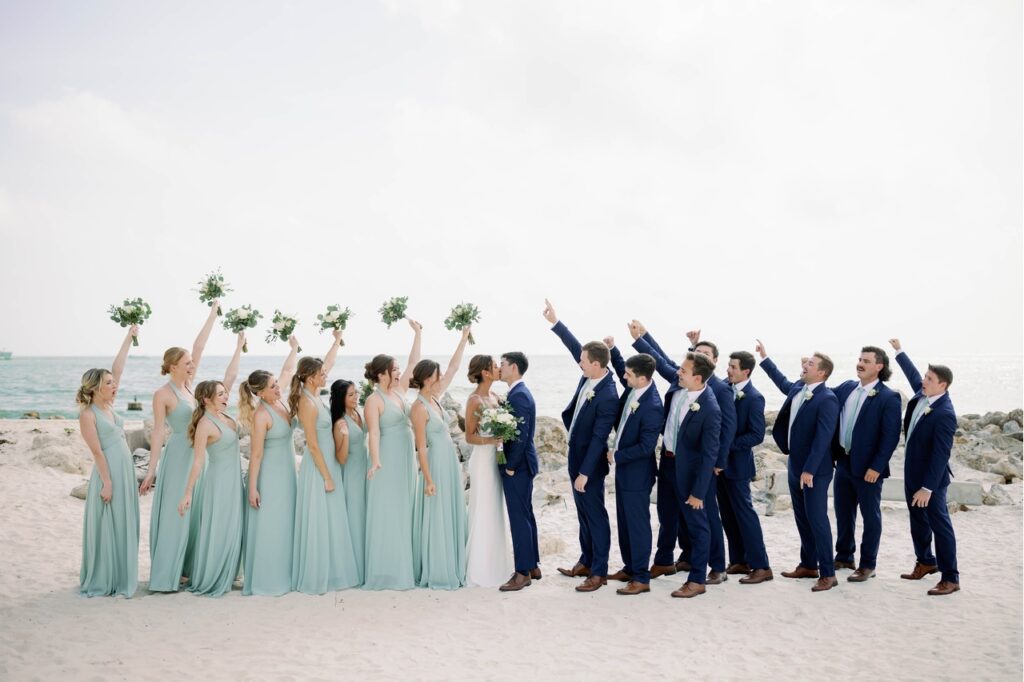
(489,560)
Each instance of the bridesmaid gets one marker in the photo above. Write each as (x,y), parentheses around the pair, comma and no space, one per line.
(171,535)
(350,451)
(220,504)
(110,530)
(270,517)
(389,487)
(439,512)
(322,557)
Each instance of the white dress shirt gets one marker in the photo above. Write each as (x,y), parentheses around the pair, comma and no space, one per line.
(637,392)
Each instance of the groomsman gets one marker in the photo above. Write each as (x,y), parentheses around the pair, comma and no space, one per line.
(723,394)
(589,419)
(930,424)
(640,422)
(869,430)
(804,429)
(740,521)
(696,443)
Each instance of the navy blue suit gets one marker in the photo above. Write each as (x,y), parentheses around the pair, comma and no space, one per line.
(927,466)
(696,453)
(723,393)
(876,433)
(521,458)
(740,521)
(588,455)
(635,471)
(809,446)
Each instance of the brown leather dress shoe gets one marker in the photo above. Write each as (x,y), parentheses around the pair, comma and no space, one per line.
(517,582)
(845,564)
(944,588)
(592,583)
(658,571)
(757,576)
(860,575)
(535,573)
(801,572)
(825,583)
(621,576)
(689,590)
(920,571)
(683,565)
(577,571)
(737,569)
(716,578)
(633,587)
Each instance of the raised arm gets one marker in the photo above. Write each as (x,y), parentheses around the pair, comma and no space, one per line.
(117,369)
(414,357)
(419,418)
(87,425)
(204,430)
(570,342)
(667,369)
(332,353)
(231,373)
(261,423)
(618,362)
(773,372)
(909,370)
(453,364)
(204,335)
(290,363)
(161,401)
(371,413)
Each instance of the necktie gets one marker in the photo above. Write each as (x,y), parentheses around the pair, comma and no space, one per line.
(851,419)
(672,427)
(625,416)
(581,399)
(918,411)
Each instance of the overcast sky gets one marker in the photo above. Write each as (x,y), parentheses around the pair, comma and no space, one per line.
(819,174)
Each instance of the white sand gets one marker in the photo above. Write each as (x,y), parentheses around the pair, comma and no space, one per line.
(885,628)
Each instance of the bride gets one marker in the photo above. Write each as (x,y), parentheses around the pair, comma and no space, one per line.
(489,560)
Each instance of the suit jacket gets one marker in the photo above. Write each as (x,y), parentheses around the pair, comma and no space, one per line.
(588,441)
(749,434)
(521,452)
(635,464)
(697,446)
(809,442)
(722,391)
(928,448)
(876,432)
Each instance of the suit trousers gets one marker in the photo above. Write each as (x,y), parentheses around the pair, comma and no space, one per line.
(743,527)
(933,520)
(633,515)
(519,504)
(595,528)
(849,493)
(810,509)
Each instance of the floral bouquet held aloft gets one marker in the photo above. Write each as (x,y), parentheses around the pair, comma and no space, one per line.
(239,319)
(500,422)
(213,288)
(393,310)
(462,316)
(281,327)
(365,391)
(132,311)
(334,318)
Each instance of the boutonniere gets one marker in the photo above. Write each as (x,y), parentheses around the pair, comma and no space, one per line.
(928,410)
(694,407)
(808,394)
(633,407)
(740,395)
(872,393)
(589,396)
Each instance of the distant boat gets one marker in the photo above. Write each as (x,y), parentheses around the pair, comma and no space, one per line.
(5,355)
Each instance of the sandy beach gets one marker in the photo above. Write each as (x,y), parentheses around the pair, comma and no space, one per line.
(778,630)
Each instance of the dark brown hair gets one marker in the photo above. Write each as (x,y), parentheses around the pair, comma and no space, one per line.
(825,364)
(942,373)
(880,357)
(713,347)
(477,366)
(423,370)
(642,364)
(247,390)
(597,352)
(702,365)
(308,366)
(381,364)
(746,360)
(206,390)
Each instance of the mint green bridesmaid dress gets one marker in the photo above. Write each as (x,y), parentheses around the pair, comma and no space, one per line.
(269,530)
(110,532)
(171,535)
(389,562)
(440,526)
(322,558)
(218,546)
(354,473)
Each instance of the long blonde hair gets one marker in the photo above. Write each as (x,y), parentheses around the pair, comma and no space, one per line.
(206,390)
(91,381)
(257,382)
(307,367)
(171,357)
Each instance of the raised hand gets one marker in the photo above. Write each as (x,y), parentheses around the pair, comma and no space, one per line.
(416,326)
(467,331)
(694,336)
(133,330)
(549,312)
(634,329)
(895,343)
(337,337)
(761,349)
(241,340)
(640,326)
(609,341)
(294,343)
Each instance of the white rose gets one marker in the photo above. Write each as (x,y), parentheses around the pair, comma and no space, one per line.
(243,314)
(278,326)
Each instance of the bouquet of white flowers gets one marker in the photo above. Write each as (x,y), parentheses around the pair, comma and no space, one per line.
(500,422)
(212,288)
(393,310)
(334,318)
(240,319)
(132,311)
(365,391)
(463,315)
(281,327)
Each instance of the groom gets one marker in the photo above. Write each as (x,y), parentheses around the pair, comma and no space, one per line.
(517,475)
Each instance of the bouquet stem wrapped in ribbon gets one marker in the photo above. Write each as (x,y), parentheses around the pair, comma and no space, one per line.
(463,315)
(132,311)
(334,318)
(500,422)
(212,288)
(281,327)
(240,319)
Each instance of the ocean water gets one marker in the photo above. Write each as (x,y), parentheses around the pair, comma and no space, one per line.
(47,384)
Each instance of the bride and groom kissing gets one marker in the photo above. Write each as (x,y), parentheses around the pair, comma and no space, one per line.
(487,548)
